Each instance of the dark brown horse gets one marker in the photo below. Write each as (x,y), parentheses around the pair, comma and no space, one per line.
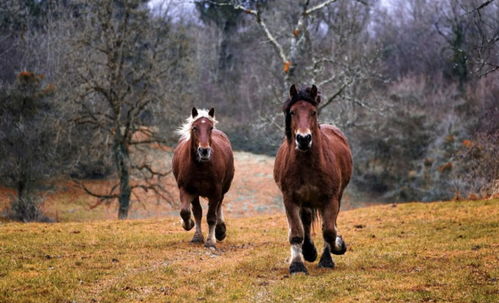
(203,165)
(312,168)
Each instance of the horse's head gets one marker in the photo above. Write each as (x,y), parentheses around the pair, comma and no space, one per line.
(301,116)
(201,128)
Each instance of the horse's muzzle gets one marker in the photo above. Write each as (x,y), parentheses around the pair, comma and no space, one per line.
(204,154)
(303,142)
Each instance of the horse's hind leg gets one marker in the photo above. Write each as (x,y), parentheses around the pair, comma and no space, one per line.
(185,209)
(211,218)
(308,247)
(296,235)
(332,242)
(198,215)
(220,229)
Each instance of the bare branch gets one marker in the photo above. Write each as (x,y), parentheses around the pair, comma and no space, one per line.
(484,4)
(335,95)
(319,6)
(263,25)
(102,197)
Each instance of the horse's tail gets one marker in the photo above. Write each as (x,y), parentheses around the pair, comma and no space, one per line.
(316,219)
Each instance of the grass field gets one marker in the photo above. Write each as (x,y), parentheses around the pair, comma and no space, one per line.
(415,252)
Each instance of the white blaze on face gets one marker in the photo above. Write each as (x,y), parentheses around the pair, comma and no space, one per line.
(304,132)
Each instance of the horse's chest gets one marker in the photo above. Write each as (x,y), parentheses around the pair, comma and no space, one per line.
(310,187)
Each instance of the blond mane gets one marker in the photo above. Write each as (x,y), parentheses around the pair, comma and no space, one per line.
(185,130)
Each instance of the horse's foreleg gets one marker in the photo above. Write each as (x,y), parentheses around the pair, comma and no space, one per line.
(296,235)
(198,215)
(220,229)
(185,209)
(332,242)
(211,218)
(308,247)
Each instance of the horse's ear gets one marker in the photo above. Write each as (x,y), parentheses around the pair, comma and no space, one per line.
(212,112)
(292,91)
(313,91)
(194,112)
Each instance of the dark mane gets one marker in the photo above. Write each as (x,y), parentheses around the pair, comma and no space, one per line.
(303,95)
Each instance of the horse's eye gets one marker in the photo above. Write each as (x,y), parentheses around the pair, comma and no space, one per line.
(194,128)
(292,113)
(211,128)
(314,113)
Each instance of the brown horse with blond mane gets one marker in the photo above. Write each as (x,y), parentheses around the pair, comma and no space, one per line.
(203,166)
(312,168)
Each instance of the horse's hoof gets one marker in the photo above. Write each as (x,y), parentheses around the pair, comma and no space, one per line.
(309,251)
(326,261)
(210,244)
(197,239)
(189,225)
(340,246)
(297,267)
(220,230)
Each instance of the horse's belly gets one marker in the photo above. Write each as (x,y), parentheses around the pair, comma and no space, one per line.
(204,188)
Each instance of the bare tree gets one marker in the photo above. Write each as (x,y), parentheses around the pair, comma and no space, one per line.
(303,61)
(469,29)
(121,58)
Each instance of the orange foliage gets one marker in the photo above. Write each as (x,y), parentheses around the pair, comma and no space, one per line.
(286,66)
(296,32)
(447,167)
(49,89)
(468,143)
(25,75)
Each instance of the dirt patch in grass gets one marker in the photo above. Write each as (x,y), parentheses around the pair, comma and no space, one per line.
(253,192)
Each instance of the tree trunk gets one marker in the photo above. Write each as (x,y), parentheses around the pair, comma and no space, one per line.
(122,159)
(21,186)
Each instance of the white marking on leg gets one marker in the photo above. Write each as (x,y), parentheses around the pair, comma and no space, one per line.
(296,253)
(337,244)
(211,234)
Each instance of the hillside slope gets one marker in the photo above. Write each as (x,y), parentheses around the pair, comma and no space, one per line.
(447,251)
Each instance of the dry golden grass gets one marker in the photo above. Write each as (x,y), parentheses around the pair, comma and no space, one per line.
(415,252)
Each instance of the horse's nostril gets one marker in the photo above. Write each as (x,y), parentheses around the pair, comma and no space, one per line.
(303,139)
